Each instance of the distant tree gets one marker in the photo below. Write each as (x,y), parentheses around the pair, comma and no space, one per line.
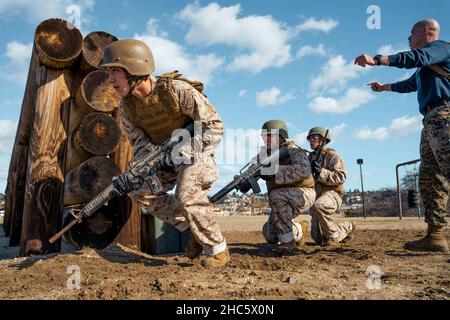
(409,180)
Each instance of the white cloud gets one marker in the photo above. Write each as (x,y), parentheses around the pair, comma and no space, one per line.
(389,49)
(365,133)
(273,97)
(312,24)
(337,130)
(18,56)
(38,10)
(311,51)
(300,138)
(399,127)
(353,98)
(334,76)
(170,56)
(405,125)
(238,146)
(242,93)
(7,134)
(264,38)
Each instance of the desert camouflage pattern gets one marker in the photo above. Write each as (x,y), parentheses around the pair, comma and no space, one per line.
(287,203)
(329,189)
(189,207)
(434,172)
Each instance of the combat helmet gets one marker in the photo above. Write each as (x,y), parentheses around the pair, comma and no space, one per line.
(321,132)
(132,55)
(276,126)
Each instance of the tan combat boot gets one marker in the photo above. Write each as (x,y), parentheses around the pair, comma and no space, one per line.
(193,248)
(287,248)
(350,235)
(329,242)
(301,243)
(433,241)
(218,260)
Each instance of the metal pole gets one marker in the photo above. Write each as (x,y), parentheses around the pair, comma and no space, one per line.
(362,190)
(399,193)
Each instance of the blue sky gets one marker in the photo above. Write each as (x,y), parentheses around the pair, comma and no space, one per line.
(260,60)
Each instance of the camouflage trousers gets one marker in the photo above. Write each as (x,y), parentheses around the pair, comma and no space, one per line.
(286,204)
(322,222)
(189,207)
(434,172)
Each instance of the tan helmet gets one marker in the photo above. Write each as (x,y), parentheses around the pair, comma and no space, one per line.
(132,55)
(277,126)
(321,132)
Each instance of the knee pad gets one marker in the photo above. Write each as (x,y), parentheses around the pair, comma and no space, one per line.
(268,235)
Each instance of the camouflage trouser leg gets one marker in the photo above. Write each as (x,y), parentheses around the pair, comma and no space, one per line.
(193,185)
(434,173)
(189,207)
(286,204)
(322,218)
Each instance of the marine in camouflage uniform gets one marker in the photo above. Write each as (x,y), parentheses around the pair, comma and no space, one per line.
(169,103)
(290,189)
(431,80)
(330,174)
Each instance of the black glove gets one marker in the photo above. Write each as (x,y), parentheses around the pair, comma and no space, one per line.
(166,163)
(126,183)
(244,187)
(316,168)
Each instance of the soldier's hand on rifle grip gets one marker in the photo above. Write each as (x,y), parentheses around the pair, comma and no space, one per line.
(125,183)
(244,187)
(316,168)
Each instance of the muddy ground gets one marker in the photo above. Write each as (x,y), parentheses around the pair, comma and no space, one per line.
(372,266)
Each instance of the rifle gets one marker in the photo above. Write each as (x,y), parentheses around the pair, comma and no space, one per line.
(249,175)
(318,157)
(144,167)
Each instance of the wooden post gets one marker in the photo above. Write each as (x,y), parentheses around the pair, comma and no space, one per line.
(84,182)
(94,94)
(98,134)
(58,45)
(92,52)
(129,213)
(47,34)
(45,176)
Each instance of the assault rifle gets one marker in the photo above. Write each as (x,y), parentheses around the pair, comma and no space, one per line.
(249,175)
(143,169)
(318,157)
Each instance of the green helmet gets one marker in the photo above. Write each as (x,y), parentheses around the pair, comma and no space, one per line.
(323,132)
(132,55)
(276,126)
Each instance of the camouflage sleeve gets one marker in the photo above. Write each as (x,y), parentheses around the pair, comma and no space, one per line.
(136,135)
(333,172)
(299,170)
(199,108)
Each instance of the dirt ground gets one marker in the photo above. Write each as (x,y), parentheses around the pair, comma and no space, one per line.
(372,266)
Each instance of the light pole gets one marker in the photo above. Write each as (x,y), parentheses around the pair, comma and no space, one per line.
(360,162)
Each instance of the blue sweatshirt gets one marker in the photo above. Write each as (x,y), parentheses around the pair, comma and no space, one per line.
(431,87)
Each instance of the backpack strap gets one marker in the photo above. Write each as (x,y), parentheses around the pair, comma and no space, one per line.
(439,71)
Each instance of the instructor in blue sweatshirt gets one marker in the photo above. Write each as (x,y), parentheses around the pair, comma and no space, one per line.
(431,57)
